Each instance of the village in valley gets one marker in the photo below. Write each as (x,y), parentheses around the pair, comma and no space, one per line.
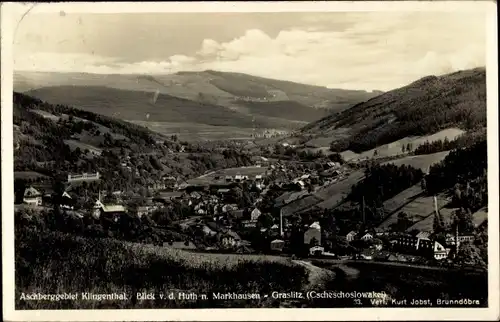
(274,207)
(183,163)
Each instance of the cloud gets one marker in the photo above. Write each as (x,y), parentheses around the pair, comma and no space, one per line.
(371,51)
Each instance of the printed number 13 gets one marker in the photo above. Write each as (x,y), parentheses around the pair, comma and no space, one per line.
(357,301)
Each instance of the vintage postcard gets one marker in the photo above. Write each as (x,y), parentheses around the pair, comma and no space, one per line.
(250,161)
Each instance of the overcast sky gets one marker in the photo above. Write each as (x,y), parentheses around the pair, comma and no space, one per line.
(363,50)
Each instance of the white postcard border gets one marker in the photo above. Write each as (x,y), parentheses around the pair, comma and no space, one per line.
(10,17)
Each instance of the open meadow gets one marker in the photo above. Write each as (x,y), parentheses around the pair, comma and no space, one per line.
(417,209)
(422,162)
(335,193)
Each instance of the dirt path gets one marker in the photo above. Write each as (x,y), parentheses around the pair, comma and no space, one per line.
(317,276)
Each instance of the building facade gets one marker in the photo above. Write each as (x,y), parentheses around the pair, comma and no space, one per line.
(313,233)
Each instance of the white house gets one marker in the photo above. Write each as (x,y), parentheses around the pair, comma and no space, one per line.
(32,197)
(465,238)
(254,216)
(367,237)
(230,239)
(277,245)
(316,250)
(100,208)
(66,201)
(439,251)
(83,177)
(351,235)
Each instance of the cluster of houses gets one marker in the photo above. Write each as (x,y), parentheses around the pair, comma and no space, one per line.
(404,247)
(216,214)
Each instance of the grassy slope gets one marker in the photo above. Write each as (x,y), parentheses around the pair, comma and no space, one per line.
(412,202)
(396,148)
(422,162)
(335,193)
(53,263)
(423,107)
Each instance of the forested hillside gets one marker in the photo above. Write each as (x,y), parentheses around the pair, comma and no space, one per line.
(423,107)
(55,140)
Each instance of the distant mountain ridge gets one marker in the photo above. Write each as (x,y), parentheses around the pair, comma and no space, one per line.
(220,98)
(423,107)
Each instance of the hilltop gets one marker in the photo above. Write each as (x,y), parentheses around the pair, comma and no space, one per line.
(421,108)
(192,98)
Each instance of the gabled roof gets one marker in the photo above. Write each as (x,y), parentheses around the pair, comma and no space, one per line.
(315,225)
(113,208)
(109,208)
(423,235)
(31,192)
(170,195)
(66,195)
(238,213)
(256,211)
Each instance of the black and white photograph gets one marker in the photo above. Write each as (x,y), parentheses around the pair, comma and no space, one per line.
(214,156)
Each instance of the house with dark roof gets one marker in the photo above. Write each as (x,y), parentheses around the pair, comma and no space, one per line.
(168,196)
(421,245)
